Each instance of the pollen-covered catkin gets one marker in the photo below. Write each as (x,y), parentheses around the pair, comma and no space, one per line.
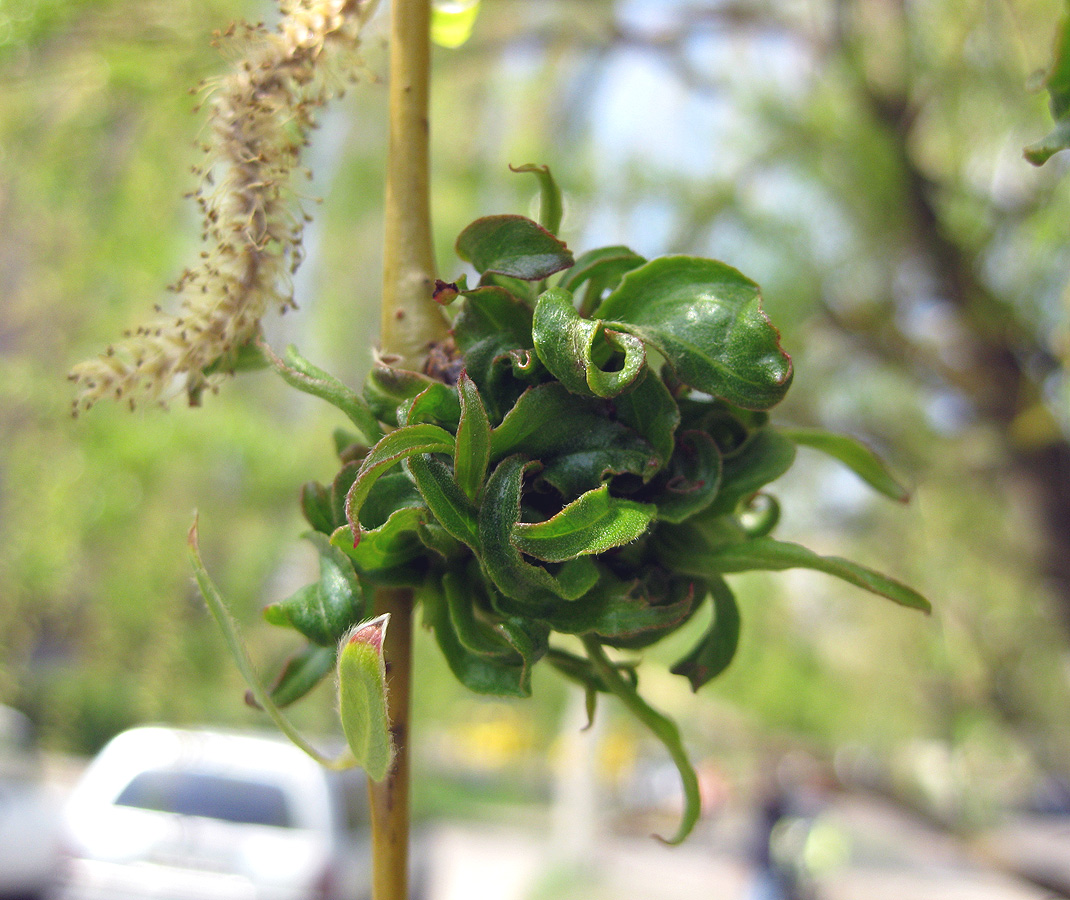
(260,115)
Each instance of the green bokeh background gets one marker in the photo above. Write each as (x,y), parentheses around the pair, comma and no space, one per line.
(758,138)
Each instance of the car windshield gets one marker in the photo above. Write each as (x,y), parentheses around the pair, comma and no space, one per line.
(191,793)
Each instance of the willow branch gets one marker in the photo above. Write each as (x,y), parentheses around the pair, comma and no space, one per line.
(410,322)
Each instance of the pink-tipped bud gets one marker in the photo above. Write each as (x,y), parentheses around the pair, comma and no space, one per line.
(370,633)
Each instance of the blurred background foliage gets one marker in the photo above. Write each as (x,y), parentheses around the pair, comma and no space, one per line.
(860,160)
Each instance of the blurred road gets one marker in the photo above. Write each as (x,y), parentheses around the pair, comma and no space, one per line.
(476,863)
(860,848)
(892,855)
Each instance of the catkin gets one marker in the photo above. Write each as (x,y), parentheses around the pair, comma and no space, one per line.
(259,118)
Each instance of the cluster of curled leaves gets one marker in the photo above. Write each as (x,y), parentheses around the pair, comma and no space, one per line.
(588,459)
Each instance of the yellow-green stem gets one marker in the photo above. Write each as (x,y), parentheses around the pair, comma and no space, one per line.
(410,324)
(410,320)
(389,798)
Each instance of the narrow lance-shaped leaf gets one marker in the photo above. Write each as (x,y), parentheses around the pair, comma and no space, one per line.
(231,635)
(766,553)
(440,491)
(473,439)
(706,319)
(298,372)
(568,346)
(362,697)
(664,729)
(391,450)
(853,454)
(593,523)
(513,246)
(688,551)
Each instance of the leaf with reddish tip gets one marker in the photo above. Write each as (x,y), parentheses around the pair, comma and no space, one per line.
(362,701)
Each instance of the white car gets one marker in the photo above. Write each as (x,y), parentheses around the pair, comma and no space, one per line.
(168,814)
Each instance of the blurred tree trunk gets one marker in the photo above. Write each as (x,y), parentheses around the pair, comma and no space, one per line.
(1002,363)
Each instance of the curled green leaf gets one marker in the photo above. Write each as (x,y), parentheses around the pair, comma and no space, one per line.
(444,497)
(601,270)
(763,458)
(530,585)
(551,209)
(316,506)
(760,515)
(717,647)
(664,729)
(575,350)
(390,451)
(628,614)
(383,550)
(706,319)
(578,440)
(651,412)
(436,404)
(484,656)
(692,479)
